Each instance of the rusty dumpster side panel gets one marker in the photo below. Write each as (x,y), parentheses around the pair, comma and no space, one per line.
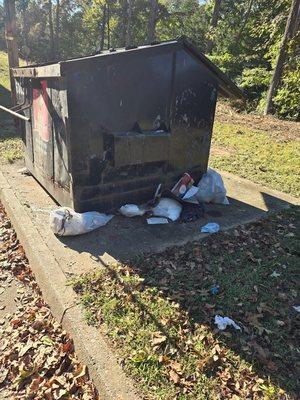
(46,135)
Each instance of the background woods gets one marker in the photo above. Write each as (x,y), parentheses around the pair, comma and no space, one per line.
(256,42)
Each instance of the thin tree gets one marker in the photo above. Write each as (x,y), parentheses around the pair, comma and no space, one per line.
(102,26)
(12,46)
(51,29)
(214,24)
(245,20)
(124,12)
(152,21)
(290,31)
(57,28)
(128,41)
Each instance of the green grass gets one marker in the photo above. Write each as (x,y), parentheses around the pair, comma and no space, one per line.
(258,156)
(10,143)
(158,312)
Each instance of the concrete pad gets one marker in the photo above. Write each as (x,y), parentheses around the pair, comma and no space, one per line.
(54,259)
(124,238)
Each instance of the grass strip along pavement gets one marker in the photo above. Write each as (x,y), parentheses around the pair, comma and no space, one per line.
(158,311)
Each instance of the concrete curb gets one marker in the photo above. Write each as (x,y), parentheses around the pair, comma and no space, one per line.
(90,345)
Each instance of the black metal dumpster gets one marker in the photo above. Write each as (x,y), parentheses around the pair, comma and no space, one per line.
(106,129)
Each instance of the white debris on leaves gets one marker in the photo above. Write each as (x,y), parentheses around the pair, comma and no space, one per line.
(223,322)
(37,359)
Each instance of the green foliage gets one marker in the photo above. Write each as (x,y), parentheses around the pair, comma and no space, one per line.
(246,39)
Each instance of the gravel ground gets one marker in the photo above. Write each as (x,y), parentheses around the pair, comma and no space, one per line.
(37,359)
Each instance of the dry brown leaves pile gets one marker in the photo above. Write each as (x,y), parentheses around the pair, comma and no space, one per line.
(37,359)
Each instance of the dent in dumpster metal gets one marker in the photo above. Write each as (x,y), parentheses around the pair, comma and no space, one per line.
(108,128)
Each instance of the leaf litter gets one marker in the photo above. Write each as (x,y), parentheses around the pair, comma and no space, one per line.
(37,359)
(158,312)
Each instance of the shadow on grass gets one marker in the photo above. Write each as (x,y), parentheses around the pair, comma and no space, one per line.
(255,270)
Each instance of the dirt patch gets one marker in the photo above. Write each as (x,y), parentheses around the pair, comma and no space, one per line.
(279,129)
(221,151)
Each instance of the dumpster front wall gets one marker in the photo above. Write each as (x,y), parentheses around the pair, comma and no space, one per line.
(135,122)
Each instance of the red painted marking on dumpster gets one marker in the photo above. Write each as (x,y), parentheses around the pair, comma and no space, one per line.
(40,111)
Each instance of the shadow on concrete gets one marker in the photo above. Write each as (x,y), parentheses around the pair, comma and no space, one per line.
(135,243)
(124,238)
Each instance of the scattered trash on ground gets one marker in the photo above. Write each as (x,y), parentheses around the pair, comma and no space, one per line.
(183,186)
(215,290)
(157,221)
(192,212)
(211,188)
(132,210)
(66,222)
(24,171)
(210,227)
(184,201)
(223,322)
(297,308)
(168,208)
(275,274)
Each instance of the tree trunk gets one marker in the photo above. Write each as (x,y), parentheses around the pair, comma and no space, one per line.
(247,15)
(57,29)
(214,24)
(124,23)
(51,30)
(11,42)
(277,74)
(102,28)
(128,40)
(108,25)
(152,21)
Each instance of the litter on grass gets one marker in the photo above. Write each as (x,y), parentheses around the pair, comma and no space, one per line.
(223,322)
(66,222)
(297,308)
(275,274)
(211,227)
(214,290)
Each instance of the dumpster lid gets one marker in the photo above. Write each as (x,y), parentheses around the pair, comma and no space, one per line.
(56,69)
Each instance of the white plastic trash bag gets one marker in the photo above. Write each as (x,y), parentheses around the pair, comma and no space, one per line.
(131,210)
(168,208)
(211,188)
(66,222)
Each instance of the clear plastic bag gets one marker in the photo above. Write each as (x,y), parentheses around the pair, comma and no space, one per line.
(211,188)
